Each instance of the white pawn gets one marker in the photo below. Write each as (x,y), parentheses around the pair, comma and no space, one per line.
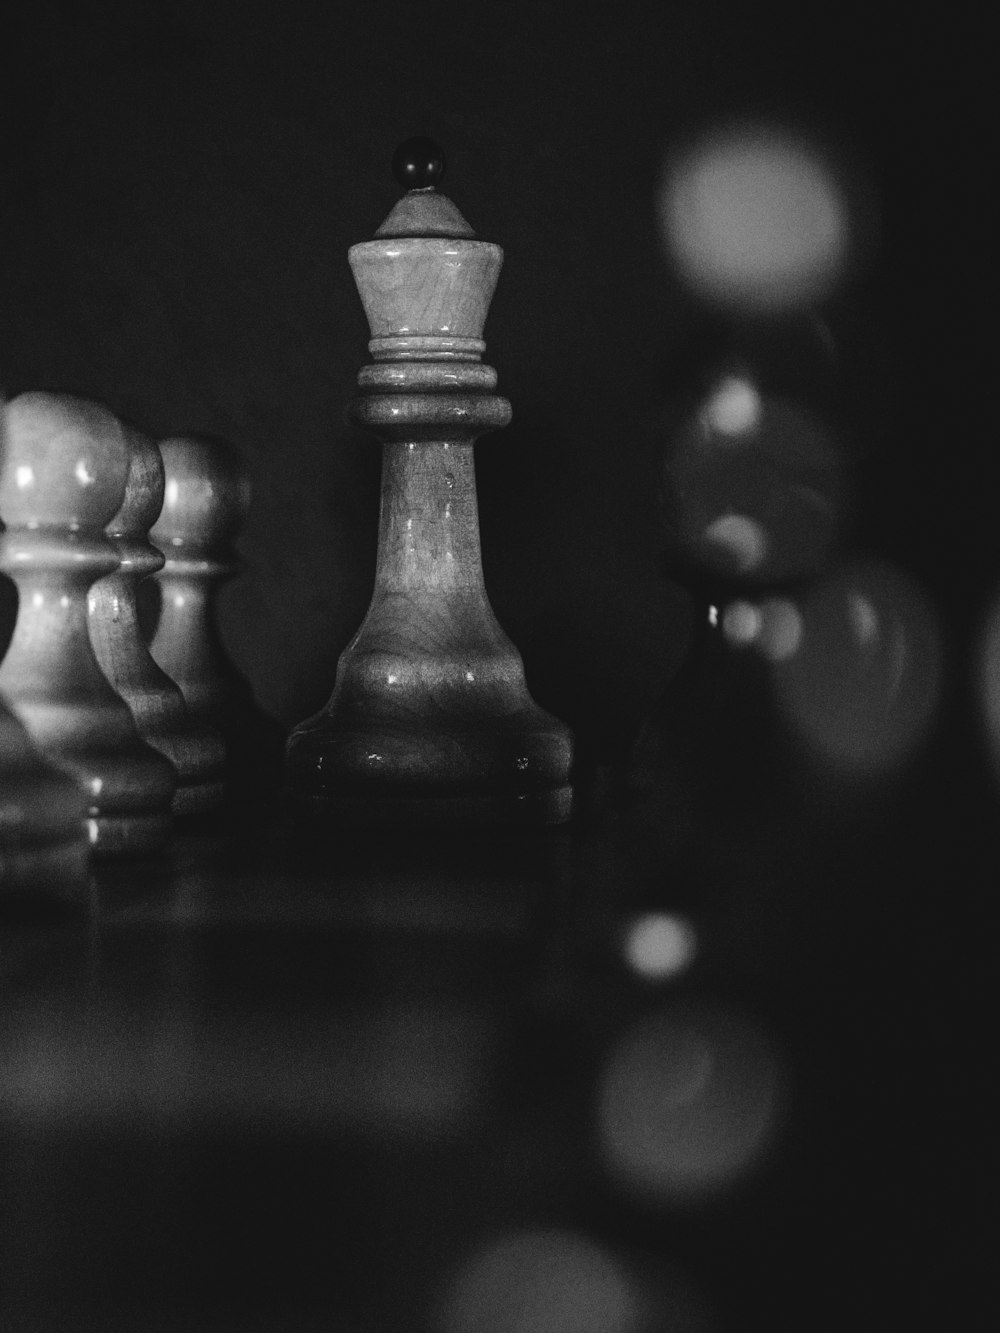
(62,479)
(206,500)
(44,846)
(205,504)
(164,721)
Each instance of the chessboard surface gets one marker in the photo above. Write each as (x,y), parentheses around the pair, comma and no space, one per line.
(269,1083)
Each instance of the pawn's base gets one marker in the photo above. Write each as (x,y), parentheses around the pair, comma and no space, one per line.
(45,872)
(471,810)
(113,836)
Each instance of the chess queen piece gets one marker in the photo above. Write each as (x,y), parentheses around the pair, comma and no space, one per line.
(194,749)
(62,480)
(430,720)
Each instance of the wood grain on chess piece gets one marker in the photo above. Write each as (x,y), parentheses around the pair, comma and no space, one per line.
(161,715)
(430,720)
(205,504)
(206,501)
(62,479)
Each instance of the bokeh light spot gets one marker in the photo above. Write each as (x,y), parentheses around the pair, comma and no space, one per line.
(864,684)
(737,540)
(755,217)
(540,1282)
(659,945)
(688,1100)
(733,408)
(780,629)
(864,619)
(741,623)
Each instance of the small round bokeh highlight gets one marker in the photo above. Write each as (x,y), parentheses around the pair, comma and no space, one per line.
(659,946)
(773,627)
(688,1102)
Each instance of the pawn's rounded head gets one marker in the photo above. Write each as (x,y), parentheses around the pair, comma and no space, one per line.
(418,164)
(206,495)
(64,463)
(144,489)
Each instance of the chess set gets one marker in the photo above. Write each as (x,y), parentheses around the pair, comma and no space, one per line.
(111,739)
(415,933)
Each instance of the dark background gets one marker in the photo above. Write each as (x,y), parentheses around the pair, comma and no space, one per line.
(182,183)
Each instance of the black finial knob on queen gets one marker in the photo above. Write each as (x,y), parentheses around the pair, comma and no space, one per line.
(418,164)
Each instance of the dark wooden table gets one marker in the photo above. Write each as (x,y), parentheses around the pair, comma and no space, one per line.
(264,1085)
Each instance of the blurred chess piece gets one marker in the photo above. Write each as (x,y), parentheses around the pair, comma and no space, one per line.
(430,720)
(205,504)
(62,479)
(194,748)
(44,844)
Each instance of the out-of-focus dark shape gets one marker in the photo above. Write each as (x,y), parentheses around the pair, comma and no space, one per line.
(688,1101)
(862,685)
(754,484)
(400,1069)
